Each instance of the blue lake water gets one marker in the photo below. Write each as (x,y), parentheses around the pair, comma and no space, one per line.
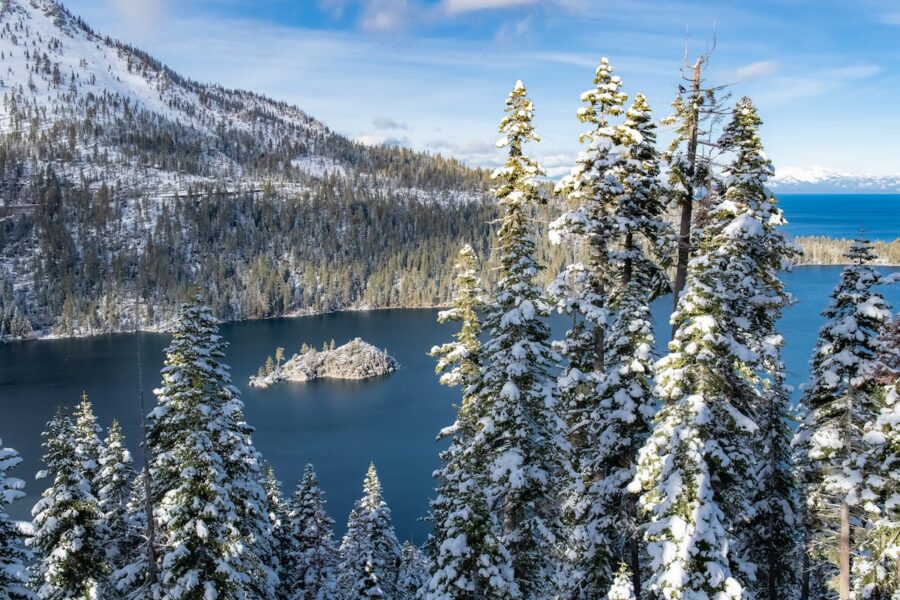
(842,215)
(338,426)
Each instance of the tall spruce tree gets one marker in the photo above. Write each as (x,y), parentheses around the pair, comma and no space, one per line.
(469,560)
(69,560)
(768,541)
(698,469)
(370,552)
(581,291)
(876,571)
(13,554)
(310,562)
(113,484)
(210,508)
(605,386)
(840,398)
(521,437)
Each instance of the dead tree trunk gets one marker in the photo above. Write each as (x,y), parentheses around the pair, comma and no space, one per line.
(687,202)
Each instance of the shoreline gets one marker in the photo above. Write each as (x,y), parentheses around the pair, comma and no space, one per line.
(300,314)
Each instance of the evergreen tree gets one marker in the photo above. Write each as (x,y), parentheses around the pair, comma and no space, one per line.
(622,588)
(698,468)
(582,291)
(310,565)
(841,397)
(459,362)
(88,447)
(605,386)
(278,512)
(768,546)
(413,574)
(521,438)
(370,552)
(469,560)
(13,554)
(875,566)
(210,509)
(69,560)
(131,580)
(113,484)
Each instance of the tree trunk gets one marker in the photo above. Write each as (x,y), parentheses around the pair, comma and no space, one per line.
(844,560)
(687,204)
(805,575)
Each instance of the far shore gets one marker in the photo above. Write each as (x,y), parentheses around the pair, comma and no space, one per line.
(162,328)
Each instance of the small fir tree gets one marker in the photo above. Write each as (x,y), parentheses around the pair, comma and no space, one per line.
(67,526)
(310,567)
(370,552)
(13,554)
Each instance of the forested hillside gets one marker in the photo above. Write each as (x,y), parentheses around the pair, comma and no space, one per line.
(126,186)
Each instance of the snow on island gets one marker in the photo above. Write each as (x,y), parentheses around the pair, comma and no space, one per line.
(354,360)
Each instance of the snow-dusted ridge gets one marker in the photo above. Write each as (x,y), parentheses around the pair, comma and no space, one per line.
(822,180)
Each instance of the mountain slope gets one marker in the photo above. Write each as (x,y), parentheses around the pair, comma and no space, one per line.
(127,187)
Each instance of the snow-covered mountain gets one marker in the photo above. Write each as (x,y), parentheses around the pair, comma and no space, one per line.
(126,187)
(123,116)
(820,180)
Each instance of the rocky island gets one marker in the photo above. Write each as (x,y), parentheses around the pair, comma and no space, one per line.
(354,360)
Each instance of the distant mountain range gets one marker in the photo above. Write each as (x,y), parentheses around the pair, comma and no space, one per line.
(819,180)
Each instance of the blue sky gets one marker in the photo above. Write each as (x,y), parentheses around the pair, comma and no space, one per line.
(433,74)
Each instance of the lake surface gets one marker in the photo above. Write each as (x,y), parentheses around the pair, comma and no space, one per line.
(842,215)
(338,426)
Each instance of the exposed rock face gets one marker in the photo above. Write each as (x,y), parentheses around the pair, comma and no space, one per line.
(354,360)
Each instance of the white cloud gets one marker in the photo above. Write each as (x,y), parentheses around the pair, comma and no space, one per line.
(387,123)
(386,16)
(757,69)
(378,139)
(455,7)
(783,90)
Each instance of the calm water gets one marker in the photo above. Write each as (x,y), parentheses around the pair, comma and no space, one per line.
(842,215)
(338,426)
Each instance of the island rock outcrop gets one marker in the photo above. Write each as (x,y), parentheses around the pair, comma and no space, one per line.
(356,359)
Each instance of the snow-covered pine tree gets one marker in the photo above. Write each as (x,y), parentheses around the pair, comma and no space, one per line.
(698,468)
(113,484)
(622,588)
(468,559)
(88,446)
(840,398)
(310,561)
(13,554)
(459,361)
(876,574)
(581,291)
(277,511)
(521,437)
(131,580)
(768,540)
(619,423)
(69,561)
(413,574)
(370,552)
(210,508)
